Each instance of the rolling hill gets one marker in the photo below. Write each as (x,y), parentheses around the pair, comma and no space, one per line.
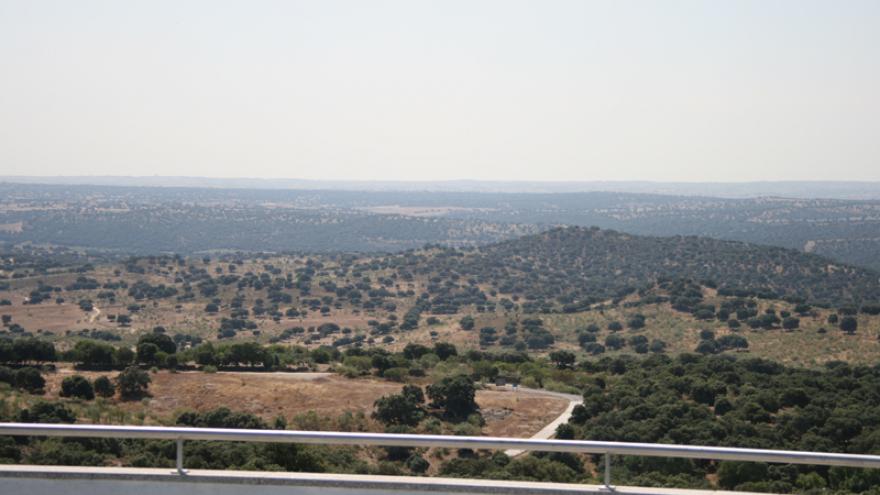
(569,268)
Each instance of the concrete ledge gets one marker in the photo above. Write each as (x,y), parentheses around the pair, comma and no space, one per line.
(54,480)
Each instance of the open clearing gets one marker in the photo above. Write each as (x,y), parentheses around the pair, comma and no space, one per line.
(269,395)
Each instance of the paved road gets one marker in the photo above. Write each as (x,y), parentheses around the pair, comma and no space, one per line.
(550,429)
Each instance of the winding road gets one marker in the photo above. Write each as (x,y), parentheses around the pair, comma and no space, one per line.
(550,429)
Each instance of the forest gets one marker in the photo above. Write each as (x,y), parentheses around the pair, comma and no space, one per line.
(151,220)
(674,339)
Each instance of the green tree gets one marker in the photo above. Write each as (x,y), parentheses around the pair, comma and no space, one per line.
(124,356)
(132,383)
(614,342)
(401,409)
(414,351)
(707,347)
(563,359)
(455,395)
(92,354)
(148,353)
(467,322)
(29,379)
(160,340)
(445,350)
(77,386)
(104,387)
(849,324)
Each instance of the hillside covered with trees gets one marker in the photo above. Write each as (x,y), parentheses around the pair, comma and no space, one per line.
(569,269)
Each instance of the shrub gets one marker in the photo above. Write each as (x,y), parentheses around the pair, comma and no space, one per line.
(29,379)
(849,324)
(614,342)
(467,323)
(132,383)
(77,386)
(401,409)
(104,387)
(445,350)
(396,374)
(47,412)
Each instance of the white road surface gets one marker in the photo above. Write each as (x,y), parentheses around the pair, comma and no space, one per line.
(550,429)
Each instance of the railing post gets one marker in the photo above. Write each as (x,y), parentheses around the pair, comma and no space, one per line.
(180,469)
(608,471)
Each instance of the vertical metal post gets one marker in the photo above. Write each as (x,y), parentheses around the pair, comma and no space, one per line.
(608,470)
(180,469)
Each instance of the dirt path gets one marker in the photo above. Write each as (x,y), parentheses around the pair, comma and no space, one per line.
(96,312)
(550,429)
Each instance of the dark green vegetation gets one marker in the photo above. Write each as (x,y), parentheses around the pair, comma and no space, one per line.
(569,269)
(689,399)
(149,220)
(720,401)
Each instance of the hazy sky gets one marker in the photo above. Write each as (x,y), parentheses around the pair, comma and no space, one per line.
(542,90)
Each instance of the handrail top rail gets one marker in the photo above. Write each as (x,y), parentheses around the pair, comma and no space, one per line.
(413,440)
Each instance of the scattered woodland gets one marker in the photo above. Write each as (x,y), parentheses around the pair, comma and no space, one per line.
(187,220)
(677,339)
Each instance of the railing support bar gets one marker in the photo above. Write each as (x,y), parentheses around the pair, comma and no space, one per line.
(608,471)
(180,469)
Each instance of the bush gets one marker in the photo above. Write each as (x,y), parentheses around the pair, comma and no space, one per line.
(707,347)
(657,346)
(7,375)
(594,348)
(77,386)
(104,387)
(791,323)
(849,324)
(417,464)
(636,322)
(396,374)
(445,350)
(733,473)
(160,340)
(47,412)
(467,323)
(614,342)
(401,409)
(29,379)
(132,383)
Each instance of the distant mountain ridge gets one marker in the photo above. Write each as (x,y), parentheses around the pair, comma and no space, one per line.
(184,220)
(748,189)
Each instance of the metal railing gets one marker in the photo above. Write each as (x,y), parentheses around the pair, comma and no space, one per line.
(608,449)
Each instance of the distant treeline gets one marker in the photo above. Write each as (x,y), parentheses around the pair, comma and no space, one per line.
(148,220)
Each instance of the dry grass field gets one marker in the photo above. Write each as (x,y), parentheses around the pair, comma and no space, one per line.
(305,400)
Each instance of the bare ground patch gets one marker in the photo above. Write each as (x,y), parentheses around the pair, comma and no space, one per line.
(269,395)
